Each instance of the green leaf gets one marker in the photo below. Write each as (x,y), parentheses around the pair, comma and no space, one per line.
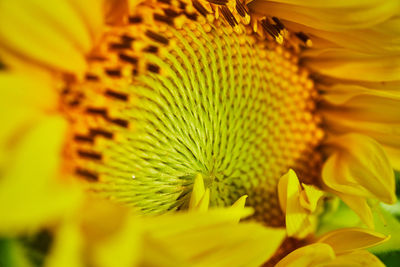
(391,259)
(12,254)
(387,224)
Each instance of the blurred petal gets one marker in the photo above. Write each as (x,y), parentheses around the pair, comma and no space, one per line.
(382,39)
(123,246)
(341,92)
(204,201)
(355,259)
(116,11)
(240,203)
(308,256)
(394,156)
(345,64)
(349,239)
(54,34)
(21,107)
(197,192)
(29,194)
(212,242)
(68,243)
(329,14)
(296,216)
(196,220)
(309,197)
(81,240)
(92,13)
(300,203)
(360,206)
(359,167)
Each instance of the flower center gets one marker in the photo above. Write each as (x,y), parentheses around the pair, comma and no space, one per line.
(176,92)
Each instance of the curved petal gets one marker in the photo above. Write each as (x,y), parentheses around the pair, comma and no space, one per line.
(20,106)
(204,201)
(359,167)
(298,203)
(197,192)
(394,156)
(360,206)
(349,239)
(68,244)
(308,256)
(328,15)
(355,259)
(239,204)
(382,39)
(92,13)
(53,34)
(370,107)
(332,3)
(346,64)
(387,134)
(342,93)
(289,194)
(310,197)
(116,11)
(29,194)
(214,239)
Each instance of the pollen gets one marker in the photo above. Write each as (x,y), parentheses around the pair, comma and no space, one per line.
(188,88)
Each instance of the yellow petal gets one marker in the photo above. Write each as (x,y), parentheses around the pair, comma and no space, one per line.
(80,240)
(310,255)
(122,247)
(349,239)
(394,156)
(299,221)
(67,247)
(329,14)
(331,3)
(20,107)
(369,109)
(49,33)
(156,253)
(197,192)
(239,204)
(282,189)
(346,64)
(340,94)
(387,134)
(34,90)
(204,201)
(355,259)
(29,193)
(382,39)
(214,243)
(372,107)
(92,13)
(195,220)
(116,11)
(359,167)
(359,205)
(309,197)
(295,214)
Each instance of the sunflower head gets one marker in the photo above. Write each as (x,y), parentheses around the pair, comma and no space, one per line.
(179,90)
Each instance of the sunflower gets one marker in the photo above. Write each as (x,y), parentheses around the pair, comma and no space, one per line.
(137,109)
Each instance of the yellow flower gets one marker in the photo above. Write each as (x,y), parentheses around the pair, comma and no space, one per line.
(338,248)
(171,105)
